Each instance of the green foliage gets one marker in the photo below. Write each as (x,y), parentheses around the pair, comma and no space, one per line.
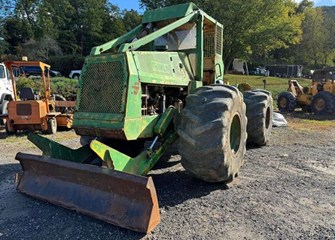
(41,49)
(64,86)
(314,36)
(17,32)
(66,63)
(317,47)
(57,27)
(35,84)
(131,19)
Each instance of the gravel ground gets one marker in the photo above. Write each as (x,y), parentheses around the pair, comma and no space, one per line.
(285,190)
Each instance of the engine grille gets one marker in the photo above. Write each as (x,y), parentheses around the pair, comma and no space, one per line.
(103,87)
(218,40)
(23,109)
(209,43)
(211,37)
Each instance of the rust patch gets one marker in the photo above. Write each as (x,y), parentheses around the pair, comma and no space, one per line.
(122,199)
(136,88)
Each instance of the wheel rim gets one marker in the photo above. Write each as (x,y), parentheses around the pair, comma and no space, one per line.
(235,134)
(319,104)
(267,118)
(283,102)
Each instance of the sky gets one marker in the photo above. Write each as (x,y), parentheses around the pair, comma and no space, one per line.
(135,4)
(128,4)
(319,3)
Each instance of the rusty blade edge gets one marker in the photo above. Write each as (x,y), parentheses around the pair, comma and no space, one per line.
(122,208)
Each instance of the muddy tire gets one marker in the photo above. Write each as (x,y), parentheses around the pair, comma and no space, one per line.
(323,103)
(52,126)
(259,105)
(212,133)
(76,76)
(8,129)
(4,110)
(286,102)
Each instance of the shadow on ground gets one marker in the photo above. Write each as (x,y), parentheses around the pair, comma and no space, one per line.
(3,134)
(309,116)
(174,188)
(174,185)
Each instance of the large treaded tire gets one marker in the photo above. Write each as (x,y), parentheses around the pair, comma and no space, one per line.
(212,133)
(323,103)
(259,105)
(286,102)
(8,130)
(4,110)
(52,126)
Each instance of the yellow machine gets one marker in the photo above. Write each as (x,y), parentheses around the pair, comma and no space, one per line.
(319,97)
(35,111)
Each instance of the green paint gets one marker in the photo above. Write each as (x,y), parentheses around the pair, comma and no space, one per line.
(158,33)
(200,49)
(163,68)
(139,165)
(193,85)
(164,121)
(235,133)
(110,87)
(56,150)
(116,42)
(166,13)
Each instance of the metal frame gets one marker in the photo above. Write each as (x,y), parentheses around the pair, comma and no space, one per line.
(45,79)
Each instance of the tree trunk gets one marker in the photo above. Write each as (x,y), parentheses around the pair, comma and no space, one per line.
(227,63)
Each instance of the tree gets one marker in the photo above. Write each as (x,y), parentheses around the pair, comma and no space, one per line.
(42,49)
(3,43)
(328,48)
(310,50)
(17,32)
(131,19)
(118,22)
(26,10)
(303,5)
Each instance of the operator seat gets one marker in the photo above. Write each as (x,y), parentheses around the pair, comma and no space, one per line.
(27,93)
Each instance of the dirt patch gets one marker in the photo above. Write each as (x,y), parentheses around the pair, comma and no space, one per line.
(285,190)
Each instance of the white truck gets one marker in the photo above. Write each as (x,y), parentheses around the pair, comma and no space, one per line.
(75,74)
(6,91)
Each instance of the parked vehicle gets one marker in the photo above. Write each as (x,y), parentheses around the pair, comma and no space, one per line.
(327,73)
(259,71)
(31,110)
(319,97)
(285,71)
(33,71)
(75,74)
(239,66)
(6,91)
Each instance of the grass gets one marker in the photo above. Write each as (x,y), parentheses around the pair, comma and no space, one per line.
(273,84)
(302,123)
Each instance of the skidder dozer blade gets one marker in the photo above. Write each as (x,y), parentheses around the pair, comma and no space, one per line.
(119,198)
